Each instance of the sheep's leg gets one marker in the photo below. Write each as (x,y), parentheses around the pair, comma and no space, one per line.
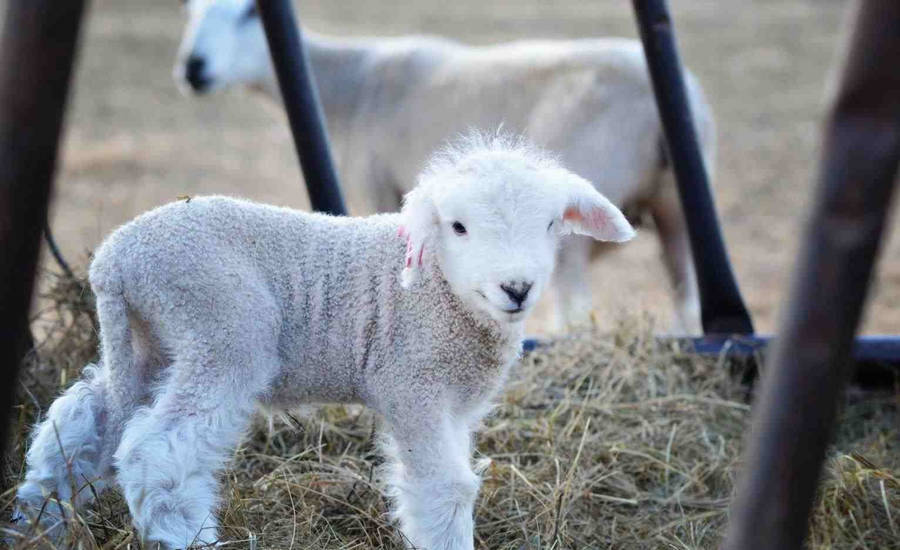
(432,482)
(70,455)
(65,460)
(676,252)
(170,453)
(573,291)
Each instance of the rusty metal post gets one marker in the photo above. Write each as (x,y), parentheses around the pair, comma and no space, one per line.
(795,413)
(301,100)
(722,308)
(37,53)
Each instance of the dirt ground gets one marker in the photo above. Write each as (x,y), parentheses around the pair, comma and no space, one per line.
(134,141)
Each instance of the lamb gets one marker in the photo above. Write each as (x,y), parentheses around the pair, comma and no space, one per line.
(211,306)
(389,102)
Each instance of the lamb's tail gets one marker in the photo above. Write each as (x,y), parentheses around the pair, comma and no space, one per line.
(70,456)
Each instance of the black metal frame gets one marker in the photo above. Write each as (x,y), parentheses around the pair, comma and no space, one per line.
(727,324)
(721,305)
(33,97)
(301,100)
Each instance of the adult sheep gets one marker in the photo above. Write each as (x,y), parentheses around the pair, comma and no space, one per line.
(210,306)
(390,101)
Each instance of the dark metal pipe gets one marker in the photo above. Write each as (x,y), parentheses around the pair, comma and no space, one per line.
(301,100)
(808,368)
(876,359)
(722,308)
(37,53)
(876,348)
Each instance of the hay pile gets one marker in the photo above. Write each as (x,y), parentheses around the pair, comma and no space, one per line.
(601,441)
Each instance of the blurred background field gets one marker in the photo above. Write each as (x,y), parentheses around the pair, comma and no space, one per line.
(134,141)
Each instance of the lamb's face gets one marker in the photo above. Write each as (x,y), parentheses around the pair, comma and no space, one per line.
(495,223)
(223,44)
(496,240)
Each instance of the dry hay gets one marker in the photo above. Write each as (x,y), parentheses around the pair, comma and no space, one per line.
(600,441)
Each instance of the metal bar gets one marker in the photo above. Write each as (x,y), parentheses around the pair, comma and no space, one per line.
(37,53)
(865,348)
(722,308)
(301,100)
(876,359)
(806,373)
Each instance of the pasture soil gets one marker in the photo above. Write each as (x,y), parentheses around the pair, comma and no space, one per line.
(604,440)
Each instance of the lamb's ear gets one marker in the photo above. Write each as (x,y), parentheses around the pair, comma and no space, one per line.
(587,212)
(419,224)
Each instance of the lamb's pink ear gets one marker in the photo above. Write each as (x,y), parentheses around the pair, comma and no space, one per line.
(419,224)
(587,212)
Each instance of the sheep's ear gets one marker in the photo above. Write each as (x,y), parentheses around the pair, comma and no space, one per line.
(587,212)
(419,223)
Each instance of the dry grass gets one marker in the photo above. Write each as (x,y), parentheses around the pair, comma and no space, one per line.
(601,441)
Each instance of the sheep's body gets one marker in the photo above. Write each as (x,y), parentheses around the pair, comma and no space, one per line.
(335,327)
(219,304)
(390,101)
(590,100)
(211,306)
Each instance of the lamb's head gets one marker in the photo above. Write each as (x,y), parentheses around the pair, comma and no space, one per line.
(223,44)
(491,214)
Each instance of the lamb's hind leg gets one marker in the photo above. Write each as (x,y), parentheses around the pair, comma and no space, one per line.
(171,453)
(65,458)
(70,454)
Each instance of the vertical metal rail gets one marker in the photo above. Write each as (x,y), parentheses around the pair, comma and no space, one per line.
(37,53)
(795,414)
(722,308)
(301,100)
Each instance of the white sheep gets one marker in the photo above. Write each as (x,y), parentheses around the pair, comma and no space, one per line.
(211,306)
(389,102)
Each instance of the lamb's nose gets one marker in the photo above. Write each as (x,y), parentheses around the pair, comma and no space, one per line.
(193,73)
(517,291)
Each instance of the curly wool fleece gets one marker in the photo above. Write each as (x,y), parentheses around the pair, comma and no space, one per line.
(325,288)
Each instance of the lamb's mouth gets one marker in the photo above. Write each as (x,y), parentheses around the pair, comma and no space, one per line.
(512,314)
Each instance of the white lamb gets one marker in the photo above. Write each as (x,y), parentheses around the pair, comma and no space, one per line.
(389,102)
(211,306)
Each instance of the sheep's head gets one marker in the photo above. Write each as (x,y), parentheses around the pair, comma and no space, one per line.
(223,45)
(491,213)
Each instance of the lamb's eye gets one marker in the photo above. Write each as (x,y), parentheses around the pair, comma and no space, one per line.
(459,228)
(549,225)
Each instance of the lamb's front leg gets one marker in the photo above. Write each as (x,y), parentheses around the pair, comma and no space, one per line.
(431,480)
